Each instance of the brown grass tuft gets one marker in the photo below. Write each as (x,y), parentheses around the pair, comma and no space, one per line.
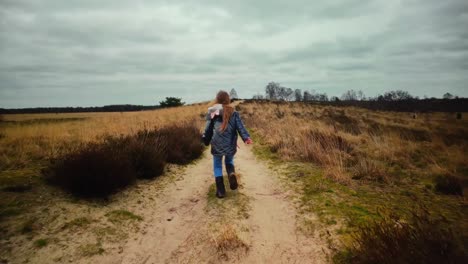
(228,241)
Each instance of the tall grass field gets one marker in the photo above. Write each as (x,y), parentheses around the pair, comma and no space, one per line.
(392,185)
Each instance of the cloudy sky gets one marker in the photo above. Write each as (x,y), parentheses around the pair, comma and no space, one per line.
(88,52)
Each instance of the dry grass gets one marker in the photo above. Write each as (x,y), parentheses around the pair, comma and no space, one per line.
(28,142)
(227,241)
(24,141)
(352,143)
(345,163)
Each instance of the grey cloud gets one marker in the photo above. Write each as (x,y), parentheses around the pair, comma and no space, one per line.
(101,52)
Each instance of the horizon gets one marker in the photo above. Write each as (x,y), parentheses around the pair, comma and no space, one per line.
(84,54)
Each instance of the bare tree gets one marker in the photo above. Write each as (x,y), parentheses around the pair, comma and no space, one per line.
(360,95)
(322,97)
(397,95)
(349,95)
(258,97)
(272,90)
(298,95)
(233,94)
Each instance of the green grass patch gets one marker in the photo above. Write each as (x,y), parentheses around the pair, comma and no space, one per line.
(120,216)
(40,243)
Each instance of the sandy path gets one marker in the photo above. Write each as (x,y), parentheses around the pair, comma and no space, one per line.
(176,214)
(274,235)
(177,228)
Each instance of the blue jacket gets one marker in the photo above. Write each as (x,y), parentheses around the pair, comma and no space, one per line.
(225,143)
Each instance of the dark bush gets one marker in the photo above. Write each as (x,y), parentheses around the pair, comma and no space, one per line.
(449,184)
(182,142)
(422,239)
(96,170)
(100,169)
(148,154)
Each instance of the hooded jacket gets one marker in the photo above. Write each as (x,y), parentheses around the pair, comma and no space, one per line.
(225,142)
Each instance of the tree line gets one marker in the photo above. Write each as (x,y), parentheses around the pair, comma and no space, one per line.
(168,102)
(275,92)
(396,100)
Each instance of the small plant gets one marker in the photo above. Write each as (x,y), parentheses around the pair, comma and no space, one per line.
(448,184)
(228,240)
(40,243)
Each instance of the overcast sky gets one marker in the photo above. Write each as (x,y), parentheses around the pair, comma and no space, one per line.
(88,52)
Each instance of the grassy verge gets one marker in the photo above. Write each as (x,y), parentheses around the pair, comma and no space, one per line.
(345,210)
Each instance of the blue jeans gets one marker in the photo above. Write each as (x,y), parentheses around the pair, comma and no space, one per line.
(218,164)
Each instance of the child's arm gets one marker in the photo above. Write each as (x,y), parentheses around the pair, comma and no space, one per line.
(241,129)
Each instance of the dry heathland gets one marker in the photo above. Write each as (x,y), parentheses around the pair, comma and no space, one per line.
(391,185)
(386,187)
(91,155)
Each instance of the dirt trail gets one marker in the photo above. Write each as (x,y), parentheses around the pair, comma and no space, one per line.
(182,222)
(178,226)
(275,238)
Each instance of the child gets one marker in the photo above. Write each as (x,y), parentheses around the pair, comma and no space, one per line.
(227,123)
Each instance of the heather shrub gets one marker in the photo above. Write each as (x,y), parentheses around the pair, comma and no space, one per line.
(182,142)
(101,168)
(95,170)
(147,152)
(421,239)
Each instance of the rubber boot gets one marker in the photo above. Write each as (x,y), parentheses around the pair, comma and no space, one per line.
(231,171)
(220,189)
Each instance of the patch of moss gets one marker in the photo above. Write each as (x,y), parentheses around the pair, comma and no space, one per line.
(40,243)
(120,216)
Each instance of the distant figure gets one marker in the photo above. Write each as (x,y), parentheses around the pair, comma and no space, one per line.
(223,123)
(414,116)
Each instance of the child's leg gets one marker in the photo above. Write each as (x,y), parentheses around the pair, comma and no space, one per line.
(218,166)
(229,163)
